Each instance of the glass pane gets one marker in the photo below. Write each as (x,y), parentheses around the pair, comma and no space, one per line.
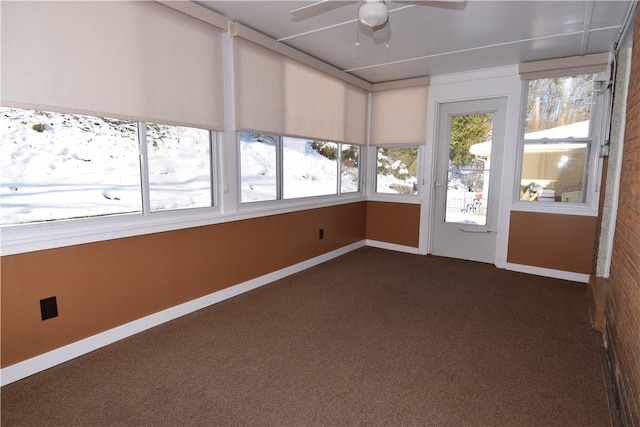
(553,172)
(179,167)
(397,170)
(59,166)
(559,107)
(350,168)
(467,204)
(258,161)
(310,168)
(469,169)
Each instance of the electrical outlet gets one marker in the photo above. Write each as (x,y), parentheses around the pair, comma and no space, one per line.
(321,234)
(48,308)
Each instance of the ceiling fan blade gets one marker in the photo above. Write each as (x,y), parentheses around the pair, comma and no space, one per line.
(443,4)
(318,8)
(428,1)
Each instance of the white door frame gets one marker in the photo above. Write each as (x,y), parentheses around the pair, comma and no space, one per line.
(467,241)
(491,83)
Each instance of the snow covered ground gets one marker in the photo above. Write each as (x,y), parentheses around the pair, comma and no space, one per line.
(61,166)
(305,171)
(58,166)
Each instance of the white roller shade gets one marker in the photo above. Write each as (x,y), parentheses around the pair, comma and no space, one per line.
(399,116)
(259,88)
(131,59)
(560,67)
(277,94)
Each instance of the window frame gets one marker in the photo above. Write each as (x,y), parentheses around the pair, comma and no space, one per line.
(143,172)
(37,235)
(593,161)
(280,200)
(396,197)
(146,187)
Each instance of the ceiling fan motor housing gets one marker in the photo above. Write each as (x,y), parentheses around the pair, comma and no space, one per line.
(373,13)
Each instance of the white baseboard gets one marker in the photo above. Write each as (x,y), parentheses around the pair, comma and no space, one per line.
(60,355)
(548,272)
(392,246)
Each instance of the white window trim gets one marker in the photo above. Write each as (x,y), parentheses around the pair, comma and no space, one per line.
(294,201)
(30,237)
(590,206)
(51,235)
(374,195)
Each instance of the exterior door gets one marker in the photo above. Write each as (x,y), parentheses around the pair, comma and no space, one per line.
(468,163)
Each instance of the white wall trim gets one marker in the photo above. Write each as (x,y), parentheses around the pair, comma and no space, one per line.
(614,171)
(392,246)
(489,83)
(60,355)
(57,234)
(395,198)
(554,208)
(548,272)
(66,353)
(474,75)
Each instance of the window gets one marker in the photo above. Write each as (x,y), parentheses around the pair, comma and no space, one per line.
(308,167)
(259,167)
(350,168)
(558,141)
(397,170)
(60,166)
(179,167)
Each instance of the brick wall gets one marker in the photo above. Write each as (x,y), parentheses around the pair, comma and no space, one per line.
(623,302)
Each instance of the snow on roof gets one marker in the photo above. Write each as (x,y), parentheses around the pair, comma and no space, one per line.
(574,130)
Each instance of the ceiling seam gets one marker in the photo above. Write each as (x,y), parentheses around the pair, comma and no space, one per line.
(588,16)
(417,58)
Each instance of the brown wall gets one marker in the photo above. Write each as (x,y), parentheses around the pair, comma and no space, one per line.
(397,223)
(623,302)
(105,284)
(558,242)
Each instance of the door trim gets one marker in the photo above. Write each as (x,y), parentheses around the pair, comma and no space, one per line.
(497,105)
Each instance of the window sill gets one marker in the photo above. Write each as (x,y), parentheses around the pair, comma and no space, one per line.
(556,208)
(395,198)
(22,238)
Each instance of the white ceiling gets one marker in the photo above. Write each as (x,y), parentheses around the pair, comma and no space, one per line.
(432,38)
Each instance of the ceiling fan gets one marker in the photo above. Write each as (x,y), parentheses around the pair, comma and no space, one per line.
(372,13)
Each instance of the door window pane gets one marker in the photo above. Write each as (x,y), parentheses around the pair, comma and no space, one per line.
(559,107)
(310,168)
(59,166)
(467,204)
(469,169)
(397,170)
(258,161)
(350,169)
(179,167)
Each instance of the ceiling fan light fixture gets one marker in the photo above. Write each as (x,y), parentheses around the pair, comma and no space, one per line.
(373,13)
